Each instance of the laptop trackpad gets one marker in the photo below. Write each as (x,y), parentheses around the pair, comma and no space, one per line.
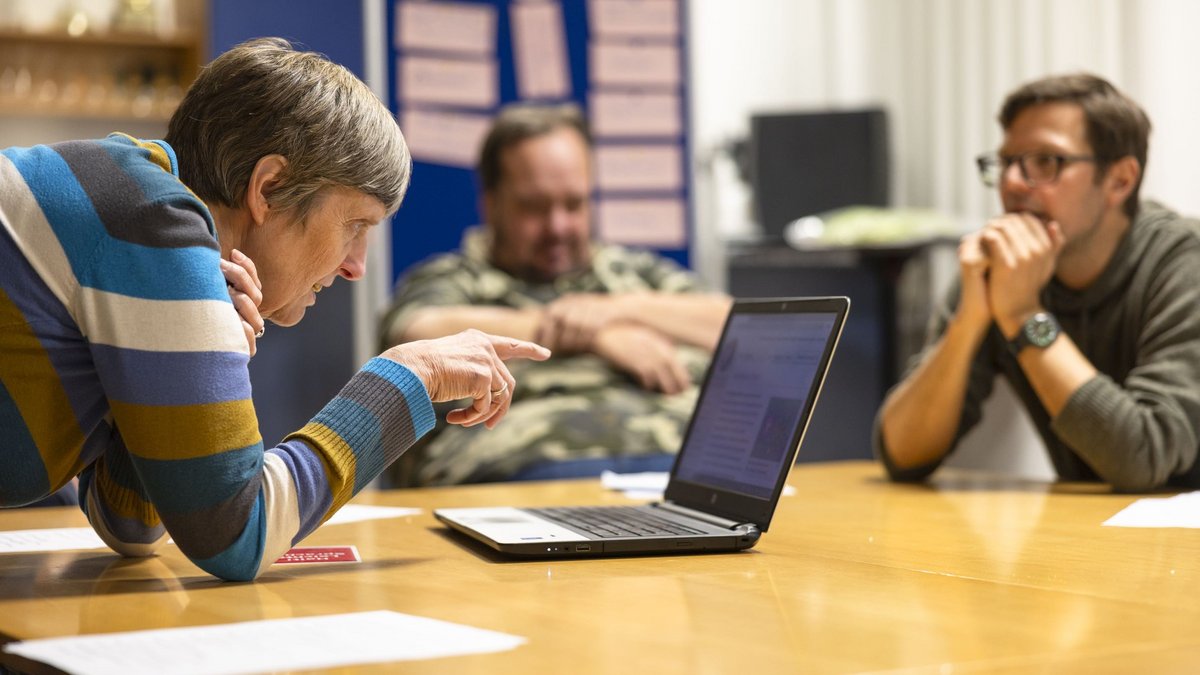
(510,526)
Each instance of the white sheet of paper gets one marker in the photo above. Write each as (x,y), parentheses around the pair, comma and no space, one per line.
(540,50)
(657,222)
(635,114)
(645,480)
(639,65)
(294,644)
(1182,510)
(469,83)
(451,138)
(353,513)
(639,167)
(644,495)
(462,27)
(56,539)
(634,18)
(648,484)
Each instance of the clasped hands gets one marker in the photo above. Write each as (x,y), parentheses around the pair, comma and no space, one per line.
(605,325)
(1004,267)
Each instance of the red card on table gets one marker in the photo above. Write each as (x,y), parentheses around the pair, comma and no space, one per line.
(320,554)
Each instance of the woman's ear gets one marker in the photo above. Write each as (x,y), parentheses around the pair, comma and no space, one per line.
(264,180)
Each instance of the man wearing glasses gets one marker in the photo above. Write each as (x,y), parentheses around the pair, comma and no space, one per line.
(1086,300)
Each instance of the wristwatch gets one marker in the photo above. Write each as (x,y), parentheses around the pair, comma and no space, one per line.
(1039,330)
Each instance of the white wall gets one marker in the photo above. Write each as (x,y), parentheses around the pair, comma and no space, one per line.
(1165,83)
(941,68)
(758,56)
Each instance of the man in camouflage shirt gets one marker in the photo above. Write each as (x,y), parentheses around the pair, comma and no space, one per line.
(631,331)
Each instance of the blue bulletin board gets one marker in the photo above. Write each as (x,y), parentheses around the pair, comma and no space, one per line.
(453,63)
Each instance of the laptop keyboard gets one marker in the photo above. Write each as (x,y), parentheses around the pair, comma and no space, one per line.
(608,522)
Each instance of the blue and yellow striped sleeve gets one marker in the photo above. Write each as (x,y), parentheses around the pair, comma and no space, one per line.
(157,379)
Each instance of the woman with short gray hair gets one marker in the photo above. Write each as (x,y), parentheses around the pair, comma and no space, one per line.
(265,98)
(135,276)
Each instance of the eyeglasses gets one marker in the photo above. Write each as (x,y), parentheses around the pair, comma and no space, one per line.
(1037,168)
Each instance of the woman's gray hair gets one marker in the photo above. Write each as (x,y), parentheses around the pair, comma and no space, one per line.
(264,97)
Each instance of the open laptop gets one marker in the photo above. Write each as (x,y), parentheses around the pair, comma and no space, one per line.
(750,418)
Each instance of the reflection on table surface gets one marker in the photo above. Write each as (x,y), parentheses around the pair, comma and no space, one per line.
(969,572)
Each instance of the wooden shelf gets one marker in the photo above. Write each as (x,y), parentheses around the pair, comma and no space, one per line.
(36,66)
(179,40)
(117,112)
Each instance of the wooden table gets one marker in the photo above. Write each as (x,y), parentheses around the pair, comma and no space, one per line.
(967,574)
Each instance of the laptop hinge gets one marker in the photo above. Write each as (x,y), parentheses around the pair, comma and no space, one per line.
(698,515)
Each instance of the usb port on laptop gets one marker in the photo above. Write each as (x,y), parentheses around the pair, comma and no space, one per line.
(583,548)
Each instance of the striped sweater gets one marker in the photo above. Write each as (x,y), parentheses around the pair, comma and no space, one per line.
(123,361)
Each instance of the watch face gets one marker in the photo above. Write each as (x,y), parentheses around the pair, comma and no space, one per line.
(1041,331)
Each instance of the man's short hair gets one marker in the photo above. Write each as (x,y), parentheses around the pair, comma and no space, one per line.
(264,97)
(1117,126)
(520,122)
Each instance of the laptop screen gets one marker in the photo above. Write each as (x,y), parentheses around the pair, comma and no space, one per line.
(762,376)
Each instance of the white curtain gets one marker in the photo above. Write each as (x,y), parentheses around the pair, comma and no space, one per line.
(946,65)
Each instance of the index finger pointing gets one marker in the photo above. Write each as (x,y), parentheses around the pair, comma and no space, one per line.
(512,348)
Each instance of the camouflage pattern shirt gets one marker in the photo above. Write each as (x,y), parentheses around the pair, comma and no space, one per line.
(569,407)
